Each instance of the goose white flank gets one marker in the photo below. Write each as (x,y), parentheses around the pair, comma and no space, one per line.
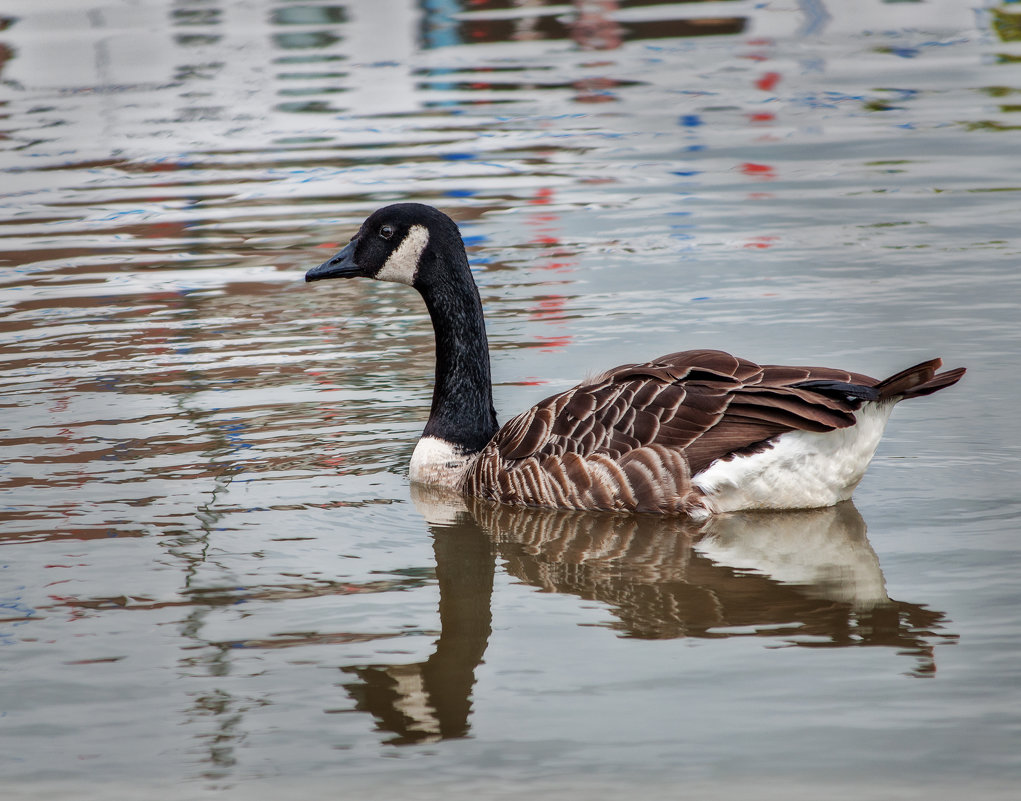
(698,432)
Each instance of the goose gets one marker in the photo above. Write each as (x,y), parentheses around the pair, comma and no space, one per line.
(696,433)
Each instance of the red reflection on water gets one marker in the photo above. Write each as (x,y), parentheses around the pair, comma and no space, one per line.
(542,195)
(550,308)
(764,171)
(762,242)
(551,344)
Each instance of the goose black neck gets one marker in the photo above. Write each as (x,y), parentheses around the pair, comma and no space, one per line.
(462,407)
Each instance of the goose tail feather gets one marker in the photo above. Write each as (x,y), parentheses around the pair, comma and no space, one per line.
(914,382)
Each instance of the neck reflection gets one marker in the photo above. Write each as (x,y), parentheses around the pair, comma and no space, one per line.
(431,700)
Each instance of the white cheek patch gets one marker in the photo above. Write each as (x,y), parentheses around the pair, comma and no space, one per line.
(402,266)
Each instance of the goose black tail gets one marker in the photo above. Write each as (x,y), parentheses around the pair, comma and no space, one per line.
(922,379)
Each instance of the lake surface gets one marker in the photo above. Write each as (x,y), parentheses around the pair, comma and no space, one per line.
(215,578)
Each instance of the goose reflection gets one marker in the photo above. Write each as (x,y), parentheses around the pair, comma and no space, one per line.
(807,579)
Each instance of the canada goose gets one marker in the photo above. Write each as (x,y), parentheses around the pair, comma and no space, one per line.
(697,432)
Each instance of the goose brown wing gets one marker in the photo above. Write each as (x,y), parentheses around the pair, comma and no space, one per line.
(703,404)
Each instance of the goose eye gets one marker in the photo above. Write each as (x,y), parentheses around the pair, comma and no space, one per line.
(387,231)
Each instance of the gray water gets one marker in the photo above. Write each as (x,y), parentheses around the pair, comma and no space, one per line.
(215,578)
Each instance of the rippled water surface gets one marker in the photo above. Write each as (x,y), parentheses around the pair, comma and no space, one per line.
(215,578)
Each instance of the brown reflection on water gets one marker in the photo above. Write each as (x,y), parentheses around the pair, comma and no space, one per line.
(808,579)
(592,25)
(431,700)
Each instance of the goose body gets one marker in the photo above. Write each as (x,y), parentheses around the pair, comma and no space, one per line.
(697,432)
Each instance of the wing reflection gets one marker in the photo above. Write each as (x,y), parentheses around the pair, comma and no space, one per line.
(808,579)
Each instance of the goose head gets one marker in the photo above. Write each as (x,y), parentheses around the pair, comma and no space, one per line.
(420,246)
(408,243)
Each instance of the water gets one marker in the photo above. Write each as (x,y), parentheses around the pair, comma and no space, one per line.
(215,578)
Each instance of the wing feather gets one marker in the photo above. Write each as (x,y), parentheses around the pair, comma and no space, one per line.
(678,399)
(633,437)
